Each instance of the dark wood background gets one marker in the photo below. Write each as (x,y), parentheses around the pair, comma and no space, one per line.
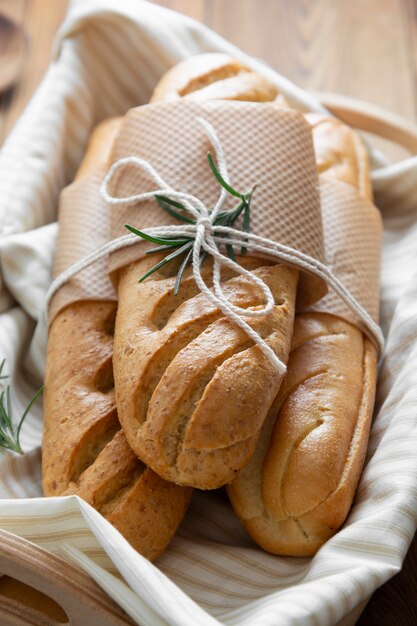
(361,48)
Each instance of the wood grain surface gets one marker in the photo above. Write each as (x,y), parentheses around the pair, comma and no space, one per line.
(361,48)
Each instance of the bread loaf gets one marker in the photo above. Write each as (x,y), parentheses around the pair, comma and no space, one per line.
(298,487)
(192,390)
(213,76)
(84,449)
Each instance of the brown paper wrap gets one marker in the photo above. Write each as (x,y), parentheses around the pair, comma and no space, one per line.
(263,145)
(353,236)
(84,222)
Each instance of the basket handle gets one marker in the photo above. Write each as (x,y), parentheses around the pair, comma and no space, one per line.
(75,592)
(372,119)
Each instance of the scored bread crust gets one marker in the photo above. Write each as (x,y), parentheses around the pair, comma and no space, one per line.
(299,486)
(213,76)
(84,450)
(340,153)
(192,390)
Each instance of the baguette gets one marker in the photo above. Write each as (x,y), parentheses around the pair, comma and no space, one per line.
(84,450)
(298,487)
(213,76)
(192,390)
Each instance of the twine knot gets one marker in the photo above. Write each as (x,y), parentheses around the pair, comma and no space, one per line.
(204,231)
(210,236)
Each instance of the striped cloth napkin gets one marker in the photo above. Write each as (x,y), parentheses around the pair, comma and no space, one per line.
(108,57)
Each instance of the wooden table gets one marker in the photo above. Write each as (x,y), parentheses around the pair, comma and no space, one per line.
(361,48)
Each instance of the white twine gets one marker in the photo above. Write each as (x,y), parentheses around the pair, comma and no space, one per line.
(208,236)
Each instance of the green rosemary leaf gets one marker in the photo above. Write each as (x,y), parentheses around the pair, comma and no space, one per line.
(220,178)
(160,240)
(246,218)
(225,218)
(239,210)
(162,248)
(166,260)
(2,376)
(181,270)
(167,200)
(231,252)
(4,421)
(179,216)
(26,411)
(246,225)
(185,244)
(9,434)
(9,408)
(228,218)
(8,444)
(235,214)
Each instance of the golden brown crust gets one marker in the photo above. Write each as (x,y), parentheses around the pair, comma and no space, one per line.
(340,153)
(190,409)
(191,389)
(213,76)
(84,450)
(298,487)
(99,146)
(80,414)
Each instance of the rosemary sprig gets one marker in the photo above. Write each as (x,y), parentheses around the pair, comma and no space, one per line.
(9,431)
(183,245)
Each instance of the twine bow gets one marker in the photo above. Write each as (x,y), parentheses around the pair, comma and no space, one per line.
(208,236)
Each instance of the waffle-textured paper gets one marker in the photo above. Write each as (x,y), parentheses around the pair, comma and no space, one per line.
(270,139)
(107,59)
